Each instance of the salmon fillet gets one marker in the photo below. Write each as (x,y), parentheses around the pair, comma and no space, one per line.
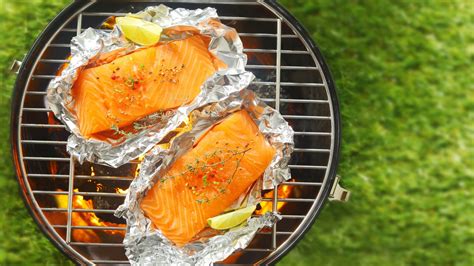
(165,76)
(207,179)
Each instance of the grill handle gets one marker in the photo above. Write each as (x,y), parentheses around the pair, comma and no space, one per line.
(339,193)
(15,67)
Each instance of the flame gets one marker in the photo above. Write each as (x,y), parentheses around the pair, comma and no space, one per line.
(86,219)
(51,119)
(121,191)
(262,58)
(92,171)
(137,170)
(54,167)
(109,23)
(186,126)
(99,187)
(284,191)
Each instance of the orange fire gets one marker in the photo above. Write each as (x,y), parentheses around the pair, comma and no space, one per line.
(52,120)
(109,23)
(121,191)
(86,219)
(137,170)
(284,191)
(53,165)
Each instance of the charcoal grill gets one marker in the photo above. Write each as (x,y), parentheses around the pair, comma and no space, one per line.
(291,76)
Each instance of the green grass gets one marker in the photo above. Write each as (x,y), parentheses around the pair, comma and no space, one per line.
(404,72)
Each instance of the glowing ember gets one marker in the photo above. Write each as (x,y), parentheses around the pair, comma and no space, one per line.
(99,187)
(109,23)
(121,191)
(284,191)
(86,219)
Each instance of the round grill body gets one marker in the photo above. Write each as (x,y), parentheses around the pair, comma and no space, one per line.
(291,77)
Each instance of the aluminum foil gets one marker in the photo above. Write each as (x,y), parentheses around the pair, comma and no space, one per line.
(177,23)
(146,245)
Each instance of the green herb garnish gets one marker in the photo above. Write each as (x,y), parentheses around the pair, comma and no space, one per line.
(131,82)
(118,131)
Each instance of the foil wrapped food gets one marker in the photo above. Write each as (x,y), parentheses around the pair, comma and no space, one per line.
(146,245)
(225,44)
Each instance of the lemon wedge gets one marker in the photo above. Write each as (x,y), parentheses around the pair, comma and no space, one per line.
(139,31)
(231,219)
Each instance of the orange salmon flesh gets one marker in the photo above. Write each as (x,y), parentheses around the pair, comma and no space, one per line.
(157,78)
(208,178)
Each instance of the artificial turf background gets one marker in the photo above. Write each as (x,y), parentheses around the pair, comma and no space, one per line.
(404,72)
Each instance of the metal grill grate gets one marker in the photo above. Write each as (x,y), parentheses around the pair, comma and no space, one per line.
(290,78)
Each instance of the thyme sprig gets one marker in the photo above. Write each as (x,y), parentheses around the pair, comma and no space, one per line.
(118,131)
(208,171)
(222,190)
(192,169)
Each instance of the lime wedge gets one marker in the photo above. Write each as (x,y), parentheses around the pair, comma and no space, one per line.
(231,219)
(139,31)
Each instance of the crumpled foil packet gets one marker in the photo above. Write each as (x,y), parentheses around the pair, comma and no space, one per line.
(180,23)
(145,245)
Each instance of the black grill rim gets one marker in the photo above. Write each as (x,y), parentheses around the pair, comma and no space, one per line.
(66,13)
